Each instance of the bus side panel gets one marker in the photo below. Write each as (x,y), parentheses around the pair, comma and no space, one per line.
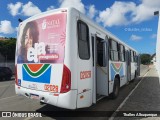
(84,99)
(123,76)
(116,68)
(84,77)
(84,83)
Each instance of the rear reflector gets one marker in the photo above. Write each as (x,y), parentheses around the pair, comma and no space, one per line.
(81,97)
(56,94)
(66,80)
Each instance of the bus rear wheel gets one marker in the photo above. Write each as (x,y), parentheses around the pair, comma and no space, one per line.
(115,88)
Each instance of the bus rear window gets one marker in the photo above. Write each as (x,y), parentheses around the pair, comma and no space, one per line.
(42,40)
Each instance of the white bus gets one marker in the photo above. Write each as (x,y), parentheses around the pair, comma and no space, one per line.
(66,60)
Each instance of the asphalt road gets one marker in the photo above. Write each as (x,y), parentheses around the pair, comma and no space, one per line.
(9,101)
(145,100)
(144,69)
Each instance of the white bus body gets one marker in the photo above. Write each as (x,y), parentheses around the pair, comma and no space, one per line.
(74,61)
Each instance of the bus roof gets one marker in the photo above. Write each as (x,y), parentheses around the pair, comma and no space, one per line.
(88,20)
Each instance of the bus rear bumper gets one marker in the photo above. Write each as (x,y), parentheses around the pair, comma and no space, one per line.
(63,100)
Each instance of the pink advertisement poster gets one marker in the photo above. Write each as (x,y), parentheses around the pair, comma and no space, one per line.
(43,40)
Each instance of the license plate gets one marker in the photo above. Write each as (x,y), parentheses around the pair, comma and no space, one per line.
(34,96)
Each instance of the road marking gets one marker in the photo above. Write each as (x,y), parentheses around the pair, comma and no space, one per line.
(6,85)
(8,97)
(124,101)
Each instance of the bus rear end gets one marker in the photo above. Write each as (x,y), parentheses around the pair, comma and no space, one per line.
(40,69)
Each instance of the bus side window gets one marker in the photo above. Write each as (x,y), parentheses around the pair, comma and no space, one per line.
(122,53)
(110,47)
(83,40)
(131,56)
(114,53)
(101,52)
(135,57)
(93,49)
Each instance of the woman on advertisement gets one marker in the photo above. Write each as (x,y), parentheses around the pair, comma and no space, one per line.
(29,37)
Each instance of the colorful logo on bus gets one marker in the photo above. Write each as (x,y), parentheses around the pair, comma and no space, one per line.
(116,68)
(36,72)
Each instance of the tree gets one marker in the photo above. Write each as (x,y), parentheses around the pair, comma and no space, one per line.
(7,48)
(145,59)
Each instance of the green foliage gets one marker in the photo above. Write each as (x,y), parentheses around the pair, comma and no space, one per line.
(7,48)
(145,59)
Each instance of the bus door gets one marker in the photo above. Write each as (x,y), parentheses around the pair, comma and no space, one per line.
(100,67)
(128,65)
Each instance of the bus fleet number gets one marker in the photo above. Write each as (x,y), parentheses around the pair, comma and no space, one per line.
(51,88)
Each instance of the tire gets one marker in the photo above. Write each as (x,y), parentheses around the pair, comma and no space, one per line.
(115,89)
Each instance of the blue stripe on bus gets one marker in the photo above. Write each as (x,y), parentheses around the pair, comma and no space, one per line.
(112,73)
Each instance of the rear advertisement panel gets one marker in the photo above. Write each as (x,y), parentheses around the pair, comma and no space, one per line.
(40,53)
(43,40)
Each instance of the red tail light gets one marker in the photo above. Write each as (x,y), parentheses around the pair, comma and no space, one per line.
(66,80)
(16,79)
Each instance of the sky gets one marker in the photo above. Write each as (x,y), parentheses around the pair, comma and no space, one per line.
(132,21)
